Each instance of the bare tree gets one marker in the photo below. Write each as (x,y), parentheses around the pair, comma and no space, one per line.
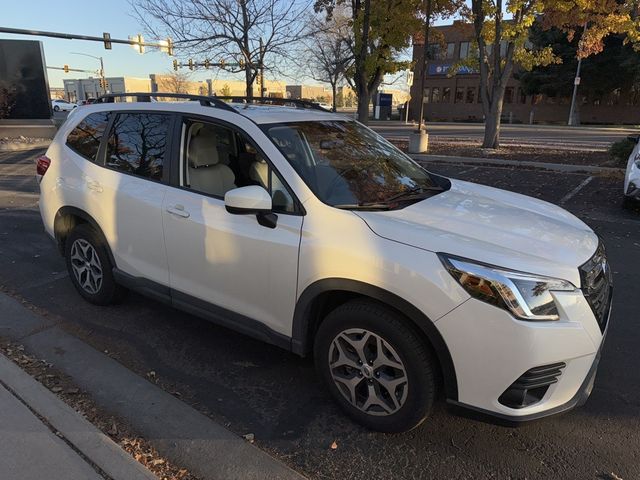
(329,53)
(253,33)
(174,82)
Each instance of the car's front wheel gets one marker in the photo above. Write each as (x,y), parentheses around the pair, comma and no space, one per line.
(90,267)
(56,108)
(376,367)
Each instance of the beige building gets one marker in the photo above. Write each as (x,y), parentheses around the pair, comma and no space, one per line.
(309,92)
(168,83)
(85,88)
(237,88)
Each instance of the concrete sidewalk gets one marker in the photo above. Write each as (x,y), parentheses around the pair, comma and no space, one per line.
(179,432)
(42,437)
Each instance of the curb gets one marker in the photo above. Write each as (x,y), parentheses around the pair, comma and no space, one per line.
(558,167)
(85,437)
(178,431)
(19,147)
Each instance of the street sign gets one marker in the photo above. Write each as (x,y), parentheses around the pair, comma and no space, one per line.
(409,78)
(576,81)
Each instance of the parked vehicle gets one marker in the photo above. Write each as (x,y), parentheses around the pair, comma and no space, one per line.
(88,101)
(62,105)
(632,175)
(306,229)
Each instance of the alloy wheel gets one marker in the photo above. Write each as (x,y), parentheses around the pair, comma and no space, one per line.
(368,372)
(86,266)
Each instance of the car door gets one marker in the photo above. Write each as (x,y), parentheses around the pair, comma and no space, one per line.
(130,189)
(221,263)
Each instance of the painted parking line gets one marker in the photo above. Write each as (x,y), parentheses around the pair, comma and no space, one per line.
(573,192)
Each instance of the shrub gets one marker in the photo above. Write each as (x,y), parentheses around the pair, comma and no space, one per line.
(620,150)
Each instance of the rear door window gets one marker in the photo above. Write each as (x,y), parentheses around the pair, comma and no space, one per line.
(138,144)
(86,137)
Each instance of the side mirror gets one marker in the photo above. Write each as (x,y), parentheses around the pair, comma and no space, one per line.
(633,138)
(251,200)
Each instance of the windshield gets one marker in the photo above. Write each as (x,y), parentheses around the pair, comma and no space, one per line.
(349,166)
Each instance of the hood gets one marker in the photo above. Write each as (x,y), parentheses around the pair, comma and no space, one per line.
(492,226)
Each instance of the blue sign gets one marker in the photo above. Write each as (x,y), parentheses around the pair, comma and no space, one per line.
(384,99)
(444,68)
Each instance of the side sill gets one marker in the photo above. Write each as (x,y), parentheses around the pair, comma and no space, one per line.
(200,308)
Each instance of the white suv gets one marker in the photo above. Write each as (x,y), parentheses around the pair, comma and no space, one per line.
(307,230)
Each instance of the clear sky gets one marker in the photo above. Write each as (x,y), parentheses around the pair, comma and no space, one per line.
(90,18)
(85,18)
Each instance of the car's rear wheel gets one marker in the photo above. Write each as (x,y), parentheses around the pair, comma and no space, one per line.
(56,108)
(376,367)
(90,267)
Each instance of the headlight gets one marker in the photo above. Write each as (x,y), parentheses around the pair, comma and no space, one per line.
(525,296)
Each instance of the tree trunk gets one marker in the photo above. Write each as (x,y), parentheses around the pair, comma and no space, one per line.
(492,122)
(249,81)
(363,107)
(334,91)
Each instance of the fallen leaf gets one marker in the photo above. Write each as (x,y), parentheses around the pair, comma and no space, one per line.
(334,445)
(250,437)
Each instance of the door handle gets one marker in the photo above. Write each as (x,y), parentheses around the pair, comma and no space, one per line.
(93,185)
(179,211)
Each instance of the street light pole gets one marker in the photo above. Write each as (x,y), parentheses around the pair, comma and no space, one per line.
(573,121)
(103,82)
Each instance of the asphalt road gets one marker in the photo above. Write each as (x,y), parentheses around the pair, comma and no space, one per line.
(256,388)
(543,135)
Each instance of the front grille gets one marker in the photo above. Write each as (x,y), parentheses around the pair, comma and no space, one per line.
(531,386)
(597,285)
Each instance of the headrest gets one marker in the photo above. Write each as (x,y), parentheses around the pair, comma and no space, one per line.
(203,151)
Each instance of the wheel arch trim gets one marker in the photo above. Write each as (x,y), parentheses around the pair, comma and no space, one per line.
(303,321)
(59,228)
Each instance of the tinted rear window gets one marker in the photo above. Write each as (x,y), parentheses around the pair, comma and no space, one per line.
(85,138)
(137,144)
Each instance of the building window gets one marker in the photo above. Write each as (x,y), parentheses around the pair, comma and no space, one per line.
(471,94)
(459,95)
(522,98)
(435,51)
(508,95)
(464,50)
(446,95)
(450,50)
(435,95)
(427,93)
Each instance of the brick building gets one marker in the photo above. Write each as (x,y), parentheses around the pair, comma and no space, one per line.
(456,98)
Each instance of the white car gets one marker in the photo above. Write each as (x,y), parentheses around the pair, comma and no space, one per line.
(632,175)
(305,229)
(62,105)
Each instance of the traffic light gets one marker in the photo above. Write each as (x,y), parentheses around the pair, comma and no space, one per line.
(222,63)
(170,47)
(175,65)
(241,63)
(190,64)
(107,40)
(66,68)
(207,63)
(137,43)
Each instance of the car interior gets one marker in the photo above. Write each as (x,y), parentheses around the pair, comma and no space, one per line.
(217,160)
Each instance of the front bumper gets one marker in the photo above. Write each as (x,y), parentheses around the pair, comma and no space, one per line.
(491,350)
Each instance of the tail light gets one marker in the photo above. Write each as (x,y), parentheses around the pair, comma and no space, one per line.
(42,165)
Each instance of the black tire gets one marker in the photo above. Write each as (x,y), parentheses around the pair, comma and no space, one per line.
(56,108)
(629,203)
(415,357)
(107,291)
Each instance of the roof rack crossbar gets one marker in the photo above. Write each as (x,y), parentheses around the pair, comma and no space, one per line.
(205,101)
(274,101)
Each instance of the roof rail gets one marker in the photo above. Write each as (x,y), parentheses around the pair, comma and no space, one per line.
(205,101)
(274,101)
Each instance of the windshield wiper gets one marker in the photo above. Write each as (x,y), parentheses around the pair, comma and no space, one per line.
(413,193)
(363,206)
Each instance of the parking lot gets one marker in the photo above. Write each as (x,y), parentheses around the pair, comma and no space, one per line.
(256,388)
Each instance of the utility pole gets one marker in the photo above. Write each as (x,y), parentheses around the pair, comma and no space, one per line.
(573,121)
(261,68)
